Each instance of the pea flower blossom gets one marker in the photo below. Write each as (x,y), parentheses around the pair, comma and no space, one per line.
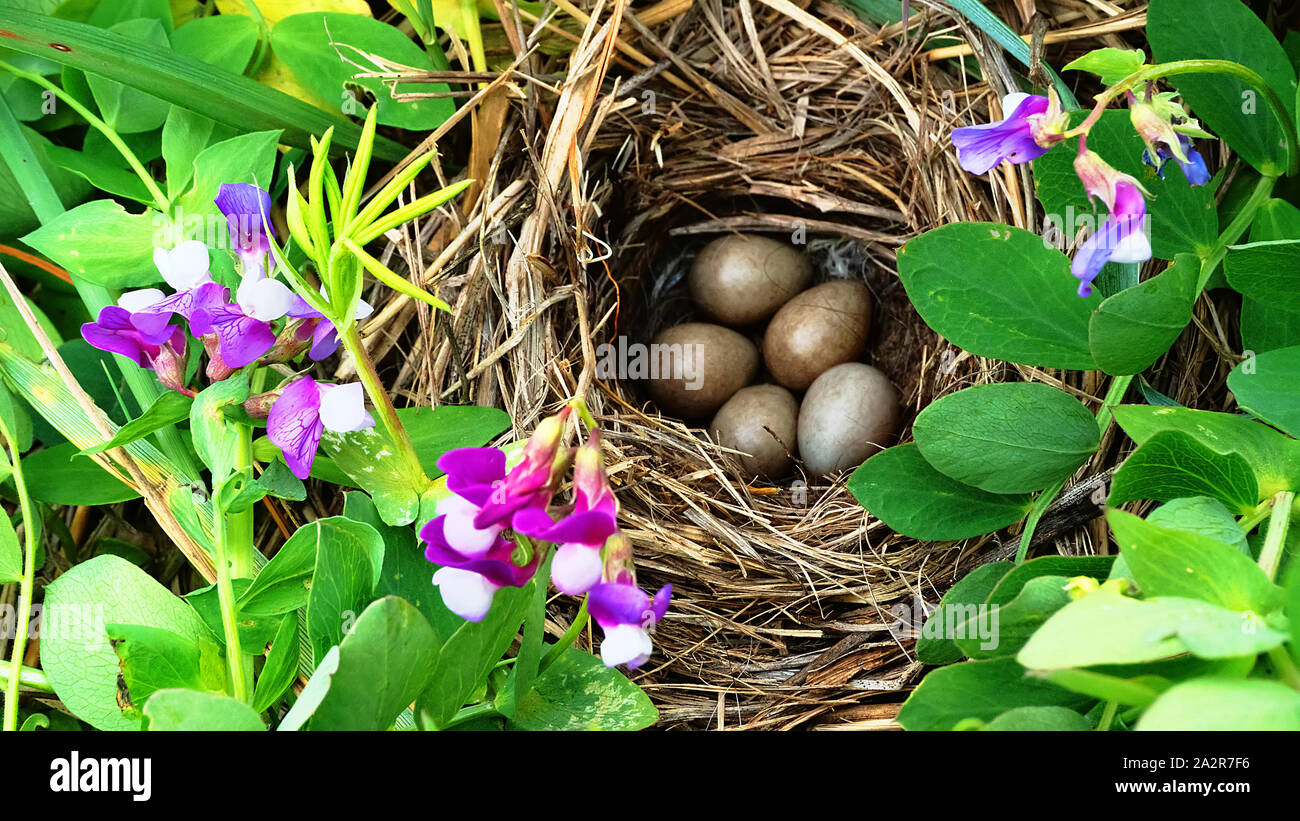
(1033,124)
(580,535)
(627,616)
(247,209)
(305,410)
(1122,237)
(1166,130)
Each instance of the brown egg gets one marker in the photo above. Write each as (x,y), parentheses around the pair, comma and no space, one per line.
(759,421)
(848,414)
(695,367)
(816,330)
(741,279)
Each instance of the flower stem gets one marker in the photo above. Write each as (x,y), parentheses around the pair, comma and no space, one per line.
(566,641)
(25,585)
(1245,216)
(160,199)
(241,673)
(1279,520)
(350,339)
(1107,716)
(28,677)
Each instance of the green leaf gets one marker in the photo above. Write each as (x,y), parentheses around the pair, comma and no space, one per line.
(1004,628)
(285,583)
(16,214)
(578,692)
(154,658)
(1273,458)
(1132,329)
(219,95)
(899,487)
(102,243)
(278,481)
(75,650)
(11,553)
(1265,272)
(434,431)
(255,629)
(322,48)
(1012,437)
(979,689)
(1224,704)
(1266,386)
(1069,566)
(384,664)
(127,109)
(199,712)
(1227,30)
(405,572)
(58,476)
(1058,719)
(1168,562)
(1182,217)
(246,158)
(281,666)
(226,41)
(99,172)
(935,645)
(1172,464)
(215,438)
(184,136)
(1011,297)
(168,409)
(1202,516)
(342,582)
(1110,64)
(471,652)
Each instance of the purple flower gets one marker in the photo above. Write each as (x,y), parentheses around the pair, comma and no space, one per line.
(474,563)
(1166,130)
(324,336)
(577,564)
(1033,125)
(244,327)
(479,475)
(1122,237)
(305,410)
(137,336)
(247,209)
(627,616)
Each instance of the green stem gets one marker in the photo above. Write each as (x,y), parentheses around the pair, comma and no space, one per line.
(1107,716)
(1245,216)
(1279,520)
(102,127)
(472,712)
(26,585)
(350,339)
(28,677)
(1248,522)
(241,674)
(566,641)
(1286,667)
(1176,67)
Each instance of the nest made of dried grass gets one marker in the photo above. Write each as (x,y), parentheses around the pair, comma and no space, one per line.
(601,172)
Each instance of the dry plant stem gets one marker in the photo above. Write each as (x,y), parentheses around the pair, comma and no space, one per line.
(1279,520)
(25,586)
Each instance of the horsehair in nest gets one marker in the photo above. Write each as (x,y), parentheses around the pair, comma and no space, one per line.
(782,594)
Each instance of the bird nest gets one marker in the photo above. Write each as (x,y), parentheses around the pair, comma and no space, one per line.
(603,178)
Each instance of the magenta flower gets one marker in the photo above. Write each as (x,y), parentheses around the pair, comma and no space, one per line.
(1122,237)
(305,410)
(137,336)
(247,209)
(577,564)
(474,563)
(628,617)
(1033,125)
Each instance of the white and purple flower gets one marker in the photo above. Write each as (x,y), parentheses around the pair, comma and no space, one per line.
(628,617)
(581,535)
(322,333)
(138,336)
(305,410)
(1032,125)
(1122,237)
(243,328)
(1166,130)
